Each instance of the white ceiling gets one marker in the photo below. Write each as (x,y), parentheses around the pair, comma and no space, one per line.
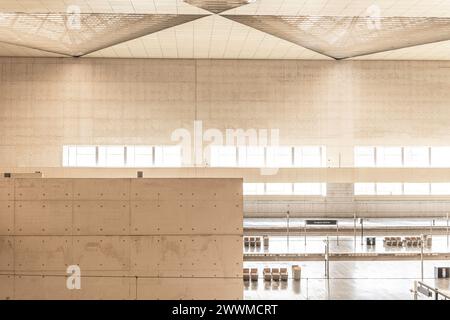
(214,36)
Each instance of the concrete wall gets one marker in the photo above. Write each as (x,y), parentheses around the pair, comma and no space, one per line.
(46,103)
(132,238)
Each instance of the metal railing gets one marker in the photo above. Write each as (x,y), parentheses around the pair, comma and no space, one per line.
(421,288)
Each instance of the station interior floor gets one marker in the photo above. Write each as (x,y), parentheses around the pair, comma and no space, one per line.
(348,279)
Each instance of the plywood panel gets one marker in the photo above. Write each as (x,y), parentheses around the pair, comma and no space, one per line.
(144,256)
(54,287)
(49,253)
(215,189)
(187,256)
(6,253)
(186,217)
(101,189)
(102,252)
(41,288)
(153,189)
(43,217)
(43,189)
(87,222)
(212,256)
(6,287)
(159,217)
(189,288)
(101,217)
(6,217)
(186,189)
(106,288)
(6,189)
(215,217)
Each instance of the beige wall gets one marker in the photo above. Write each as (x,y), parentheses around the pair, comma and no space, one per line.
(132,238)
(46,103)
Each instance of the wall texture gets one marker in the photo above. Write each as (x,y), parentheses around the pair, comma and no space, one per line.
(132,238)
(46,103)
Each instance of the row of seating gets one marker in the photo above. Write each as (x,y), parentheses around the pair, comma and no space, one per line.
(250,274)
(252,241)
(393,241)
(412,241)
(275,274)
(406,242)
(269,274)
(256,241)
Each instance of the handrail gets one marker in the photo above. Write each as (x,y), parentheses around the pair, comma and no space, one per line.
(423,288)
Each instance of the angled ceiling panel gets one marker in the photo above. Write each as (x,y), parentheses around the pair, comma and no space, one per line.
(430,51)
(77,35)
(218,6)
(9,50)
(345,37)
(212,37)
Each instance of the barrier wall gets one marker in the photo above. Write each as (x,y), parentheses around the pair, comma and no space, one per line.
(131,238)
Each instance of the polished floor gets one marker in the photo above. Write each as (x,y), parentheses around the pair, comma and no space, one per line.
(350,280)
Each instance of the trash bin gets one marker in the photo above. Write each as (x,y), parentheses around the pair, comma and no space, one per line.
(442,272)
(370,241)
(296,272)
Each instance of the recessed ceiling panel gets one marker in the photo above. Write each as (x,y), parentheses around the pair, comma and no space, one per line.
(345,37)
(217,6)
(80,34)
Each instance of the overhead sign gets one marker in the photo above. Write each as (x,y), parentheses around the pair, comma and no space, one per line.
(321,222)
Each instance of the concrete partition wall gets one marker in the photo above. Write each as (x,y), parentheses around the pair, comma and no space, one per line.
(131,238)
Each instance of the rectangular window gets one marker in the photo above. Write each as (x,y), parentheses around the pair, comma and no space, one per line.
(111,156)
(278,188)
(416,157)
(279,157)
(79,156)
(364,189)
(416,188)
(310,189)
(283,189)
(364,156)
(251,156)
(386,189)
(440,157)
(390,157)
(389,189)
(309,157)
(69,156)
(223,156)
(411,157)
(86,156)
(168,156)
(139,156)
(440,189)
(253,189)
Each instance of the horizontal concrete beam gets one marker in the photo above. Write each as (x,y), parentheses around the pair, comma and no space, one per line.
(336,175)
